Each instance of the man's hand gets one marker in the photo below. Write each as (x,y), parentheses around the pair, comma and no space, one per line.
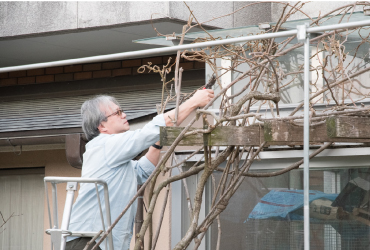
(202,97)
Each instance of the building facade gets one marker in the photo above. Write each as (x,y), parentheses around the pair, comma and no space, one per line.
(39,110)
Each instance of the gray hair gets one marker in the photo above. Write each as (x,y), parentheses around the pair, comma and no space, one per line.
(92,112)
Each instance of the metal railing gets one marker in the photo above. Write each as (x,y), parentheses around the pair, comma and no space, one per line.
(58,235)
(159,51)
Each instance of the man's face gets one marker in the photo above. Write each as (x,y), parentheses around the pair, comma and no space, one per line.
(115,123)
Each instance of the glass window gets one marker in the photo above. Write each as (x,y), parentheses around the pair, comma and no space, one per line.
(267,213)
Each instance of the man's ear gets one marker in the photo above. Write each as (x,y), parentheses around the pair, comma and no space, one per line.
(102,128)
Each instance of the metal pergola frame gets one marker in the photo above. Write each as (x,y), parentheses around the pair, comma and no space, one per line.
(302,32)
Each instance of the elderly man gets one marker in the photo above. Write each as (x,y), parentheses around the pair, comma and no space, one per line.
(109,156)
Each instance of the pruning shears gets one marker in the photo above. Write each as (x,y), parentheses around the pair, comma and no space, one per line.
(210,82)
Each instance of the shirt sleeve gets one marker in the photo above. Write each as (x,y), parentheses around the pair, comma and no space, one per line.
(144,168)
(123,147)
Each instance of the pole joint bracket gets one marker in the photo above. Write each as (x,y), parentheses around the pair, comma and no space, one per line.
(302,32)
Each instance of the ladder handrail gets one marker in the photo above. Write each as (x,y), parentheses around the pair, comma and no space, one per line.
(56,180)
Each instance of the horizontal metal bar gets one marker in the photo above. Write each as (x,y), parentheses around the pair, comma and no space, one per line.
(53,179)
(145,53)
(157,51)
(338,26)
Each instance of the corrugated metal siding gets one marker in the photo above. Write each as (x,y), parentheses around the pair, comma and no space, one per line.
(22,196)
(56,113)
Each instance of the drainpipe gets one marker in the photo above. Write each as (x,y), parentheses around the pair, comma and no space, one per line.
(75,147)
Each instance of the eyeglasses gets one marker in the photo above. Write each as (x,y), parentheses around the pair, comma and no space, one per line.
(118,112)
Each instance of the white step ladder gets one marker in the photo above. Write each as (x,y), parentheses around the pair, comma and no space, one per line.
(58,235)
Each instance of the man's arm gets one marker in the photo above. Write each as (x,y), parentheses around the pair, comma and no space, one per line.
(200,99)
(153,154)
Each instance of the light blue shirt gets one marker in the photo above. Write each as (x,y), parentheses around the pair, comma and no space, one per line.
(109,157)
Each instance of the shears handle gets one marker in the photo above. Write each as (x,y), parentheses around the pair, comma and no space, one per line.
(210,82)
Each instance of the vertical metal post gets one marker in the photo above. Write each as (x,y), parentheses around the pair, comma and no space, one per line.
(306,146)
(55,205)
(71,189)
(107,211)
(101,212)
(50,221)
(303,36)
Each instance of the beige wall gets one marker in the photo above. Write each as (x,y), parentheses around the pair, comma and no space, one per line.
(164,240)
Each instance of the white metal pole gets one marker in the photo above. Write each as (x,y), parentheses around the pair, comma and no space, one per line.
(147,52)
(71,189)
(55,205)
(306,146)
(304,36)
(107,210)
(158,51)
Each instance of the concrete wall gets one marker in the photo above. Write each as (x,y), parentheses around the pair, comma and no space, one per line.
(24,18)
(251,13)
(19,18)
(205,11)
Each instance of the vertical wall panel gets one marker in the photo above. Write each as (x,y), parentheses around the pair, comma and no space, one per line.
(22,196)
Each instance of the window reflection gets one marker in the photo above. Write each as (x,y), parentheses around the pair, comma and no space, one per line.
(267,213)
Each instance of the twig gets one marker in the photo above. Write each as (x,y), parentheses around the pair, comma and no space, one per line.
(92,240)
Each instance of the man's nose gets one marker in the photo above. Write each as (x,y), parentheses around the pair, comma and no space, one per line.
(123,115)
